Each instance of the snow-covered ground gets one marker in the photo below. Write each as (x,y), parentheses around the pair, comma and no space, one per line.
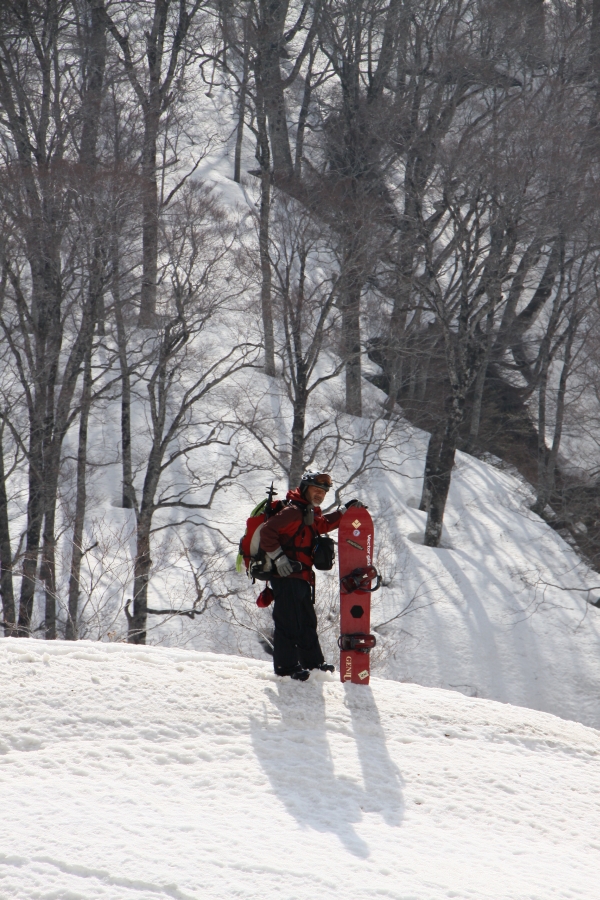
(133,773)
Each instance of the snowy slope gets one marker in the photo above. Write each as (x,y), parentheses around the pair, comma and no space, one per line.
(497,612)
(143,773)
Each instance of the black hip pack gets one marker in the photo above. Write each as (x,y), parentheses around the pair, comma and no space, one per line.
(323,553)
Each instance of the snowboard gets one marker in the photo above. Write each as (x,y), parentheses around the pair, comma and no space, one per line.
(355,555)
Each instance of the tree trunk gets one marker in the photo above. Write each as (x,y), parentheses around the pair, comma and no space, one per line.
(278,131)
(396,351)
(263,157)
(595,43)
(477,406)
(48,566)
(136,633)
(303,117)
(35,517)
(268,44)
(547,458)
(542,461)
(71,633)
(431,462)
(480,385)
(423,372)
(266,302)
(352,345)
(403,293)
(92,100)
(149,221)
(441,474)
(440,486)
(6,579)
(298,430)
(128,498)
(237,162)
(560,409)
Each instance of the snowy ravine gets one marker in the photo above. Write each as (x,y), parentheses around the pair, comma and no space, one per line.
(145,773)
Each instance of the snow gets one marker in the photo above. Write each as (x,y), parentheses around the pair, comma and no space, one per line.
(131,773)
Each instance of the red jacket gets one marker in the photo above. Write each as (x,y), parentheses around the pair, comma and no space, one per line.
(286,530)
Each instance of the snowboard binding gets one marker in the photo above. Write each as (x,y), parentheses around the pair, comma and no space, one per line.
(359,581)
(363,643)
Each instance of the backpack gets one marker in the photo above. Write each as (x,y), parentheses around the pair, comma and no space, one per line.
(258,565)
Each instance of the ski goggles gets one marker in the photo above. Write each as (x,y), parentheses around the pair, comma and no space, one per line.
(322,481)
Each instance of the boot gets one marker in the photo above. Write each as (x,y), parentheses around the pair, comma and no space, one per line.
(300,674)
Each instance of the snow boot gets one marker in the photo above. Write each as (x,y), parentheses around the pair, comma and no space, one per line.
(300,674)
(326,667)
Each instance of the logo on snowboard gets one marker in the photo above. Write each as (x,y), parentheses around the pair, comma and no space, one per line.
(364,674)
(348,673)
(356,524)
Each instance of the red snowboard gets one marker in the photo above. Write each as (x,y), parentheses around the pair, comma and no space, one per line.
(355,554)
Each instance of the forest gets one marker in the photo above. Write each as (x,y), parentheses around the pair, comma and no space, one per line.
(228,228)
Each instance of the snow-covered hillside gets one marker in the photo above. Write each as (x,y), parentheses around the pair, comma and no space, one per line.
(500,611)
(497,612)
(141,773)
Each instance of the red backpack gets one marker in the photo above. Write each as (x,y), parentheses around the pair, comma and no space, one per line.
(257,563)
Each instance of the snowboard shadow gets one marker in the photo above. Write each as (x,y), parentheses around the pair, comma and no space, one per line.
(383,782)
(293,747)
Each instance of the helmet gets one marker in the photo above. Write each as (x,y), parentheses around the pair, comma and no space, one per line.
(318,479)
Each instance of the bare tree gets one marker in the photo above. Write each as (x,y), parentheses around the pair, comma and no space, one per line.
(183,372)
(38,178)
(155,59)
(307,290)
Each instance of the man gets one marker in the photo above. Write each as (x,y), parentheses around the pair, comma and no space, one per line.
(288,539)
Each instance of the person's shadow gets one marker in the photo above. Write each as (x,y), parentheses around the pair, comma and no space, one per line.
(292,746)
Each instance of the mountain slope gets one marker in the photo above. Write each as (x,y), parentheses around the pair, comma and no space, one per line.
(499,611)
(147,773)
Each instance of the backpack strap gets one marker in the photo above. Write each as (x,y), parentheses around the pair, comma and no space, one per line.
(289,540)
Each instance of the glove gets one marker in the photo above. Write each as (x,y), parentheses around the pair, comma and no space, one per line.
(283,565)
(356,503)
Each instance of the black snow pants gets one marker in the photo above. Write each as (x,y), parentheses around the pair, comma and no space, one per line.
(296,641)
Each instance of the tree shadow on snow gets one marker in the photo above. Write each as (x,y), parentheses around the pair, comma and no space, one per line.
(294,751)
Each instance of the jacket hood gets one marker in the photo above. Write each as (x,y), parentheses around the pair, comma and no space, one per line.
(296,497)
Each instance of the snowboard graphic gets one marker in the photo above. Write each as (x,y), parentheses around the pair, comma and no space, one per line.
(355,554)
